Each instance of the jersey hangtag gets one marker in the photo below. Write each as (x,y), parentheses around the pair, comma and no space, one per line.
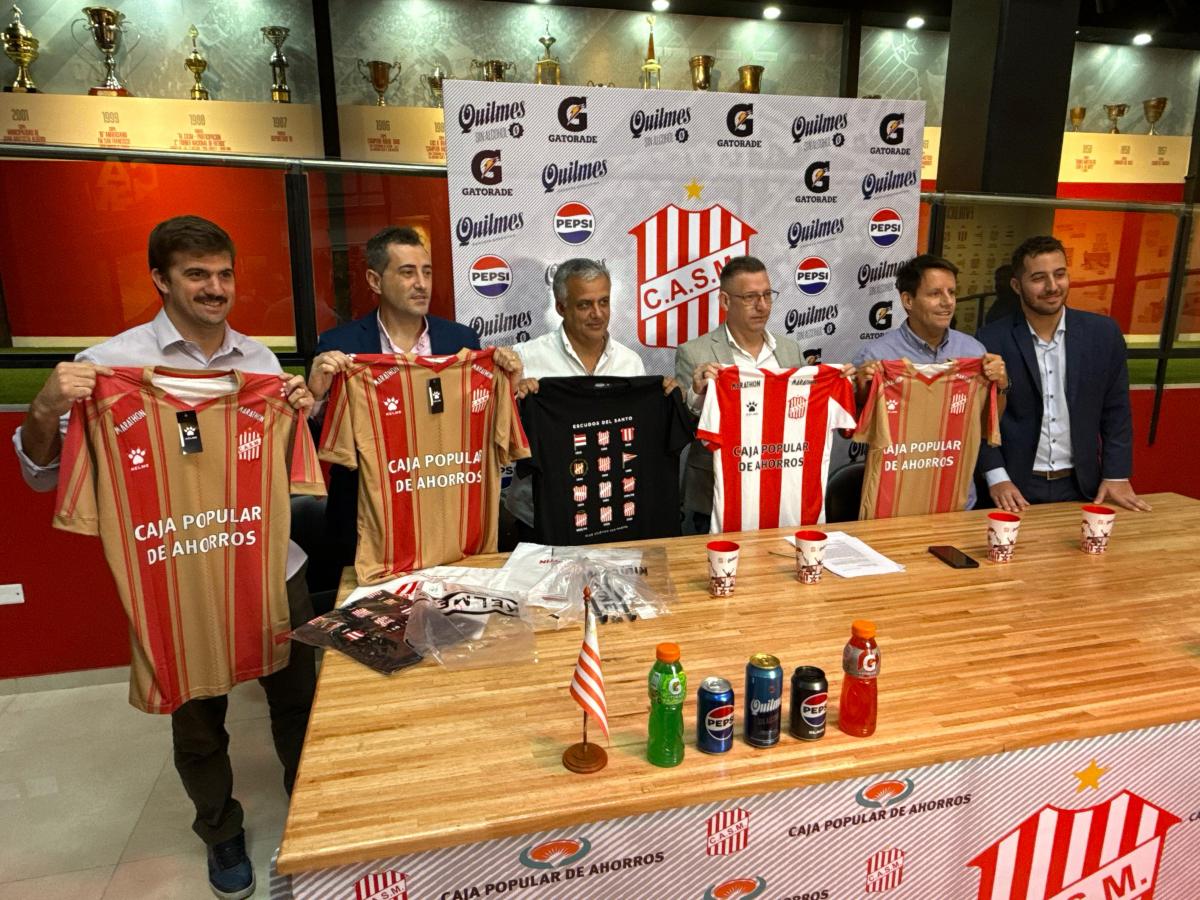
(434,388)
(189,432)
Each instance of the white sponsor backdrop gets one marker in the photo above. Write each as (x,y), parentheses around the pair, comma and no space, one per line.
(1110,817)
(665,186)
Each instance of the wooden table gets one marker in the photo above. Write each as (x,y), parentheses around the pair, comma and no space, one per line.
(1055,645)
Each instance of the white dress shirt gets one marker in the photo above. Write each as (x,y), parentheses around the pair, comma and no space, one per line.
(743,359)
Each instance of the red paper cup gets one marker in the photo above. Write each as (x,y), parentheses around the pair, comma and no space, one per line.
(1096,527)
(810,555)
(1002,536)
(722,567)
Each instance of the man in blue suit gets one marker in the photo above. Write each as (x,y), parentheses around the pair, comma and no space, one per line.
(400,272)
(1067,431)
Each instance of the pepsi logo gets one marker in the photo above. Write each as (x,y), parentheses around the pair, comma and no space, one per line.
(885,227)
(574,223)
(490,276)
(812,708)
(719,722)
(812,275)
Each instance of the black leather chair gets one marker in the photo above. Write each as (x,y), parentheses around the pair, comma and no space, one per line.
(843,493)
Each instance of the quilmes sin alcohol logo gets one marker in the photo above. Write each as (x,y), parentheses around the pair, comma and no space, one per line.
(737,889)
(820,125)
(660,126)
(555,854)
(501,115)
(884,793)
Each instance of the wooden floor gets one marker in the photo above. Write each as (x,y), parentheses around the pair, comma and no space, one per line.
(1051,646)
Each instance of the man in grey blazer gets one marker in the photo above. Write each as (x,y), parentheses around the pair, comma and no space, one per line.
(743,340)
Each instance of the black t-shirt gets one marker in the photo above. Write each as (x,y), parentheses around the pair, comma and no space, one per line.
(605,458)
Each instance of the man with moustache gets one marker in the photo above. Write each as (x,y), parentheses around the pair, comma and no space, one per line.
(1067,432)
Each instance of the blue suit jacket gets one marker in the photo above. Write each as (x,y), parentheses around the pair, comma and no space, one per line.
(1097,397)
(362,336)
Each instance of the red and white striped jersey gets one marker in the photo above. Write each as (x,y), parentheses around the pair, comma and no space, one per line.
(922,425)
(428,436)
(770,431)
(185,477)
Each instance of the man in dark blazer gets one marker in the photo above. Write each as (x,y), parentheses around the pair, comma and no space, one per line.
(400,272)
(1067,430)
(746,298)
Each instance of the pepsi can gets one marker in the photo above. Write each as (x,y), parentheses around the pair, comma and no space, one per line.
(810,693)
(714,716)
(764,700)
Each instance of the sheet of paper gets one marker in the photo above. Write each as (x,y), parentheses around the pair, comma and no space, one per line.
(849,557)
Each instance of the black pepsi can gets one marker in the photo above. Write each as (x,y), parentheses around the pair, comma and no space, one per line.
(714,715)
(764,700)
(810,694)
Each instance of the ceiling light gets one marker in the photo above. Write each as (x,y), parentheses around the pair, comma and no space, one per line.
(1142,38)
(771,12)
(914,22)
(660,5)
(541,1)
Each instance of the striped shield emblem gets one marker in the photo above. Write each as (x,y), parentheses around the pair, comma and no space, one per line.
(728,832)
(885,870)
(387,885)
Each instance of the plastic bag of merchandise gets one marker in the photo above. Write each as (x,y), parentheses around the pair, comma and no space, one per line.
(372,632)
(468,626)
(617,592)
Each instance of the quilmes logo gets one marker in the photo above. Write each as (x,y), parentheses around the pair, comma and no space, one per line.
(820,125)
(502,115)
(660,126)
(816,179)
(468,229)
(816,230)
(873,185)
(870,274)
(573,173)
(825,316)
(554,854)
(884,793)
(885,227)
(812,275)
(573,117)
(737,889)
(740,123)
(891,132)
(574,223)
(487,171)
(490,276)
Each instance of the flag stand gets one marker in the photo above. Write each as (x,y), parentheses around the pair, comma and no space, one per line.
(584,757)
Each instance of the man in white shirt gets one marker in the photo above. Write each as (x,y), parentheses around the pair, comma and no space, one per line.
(746,297)
(581,345)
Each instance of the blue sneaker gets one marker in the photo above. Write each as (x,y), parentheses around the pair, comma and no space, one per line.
(230,874)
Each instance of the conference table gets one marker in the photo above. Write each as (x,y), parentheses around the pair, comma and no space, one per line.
(1037,737)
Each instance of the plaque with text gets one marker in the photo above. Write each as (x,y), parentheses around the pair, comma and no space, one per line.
(393,134)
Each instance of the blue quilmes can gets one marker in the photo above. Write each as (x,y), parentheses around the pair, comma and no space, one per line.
(764,700)
(714,716)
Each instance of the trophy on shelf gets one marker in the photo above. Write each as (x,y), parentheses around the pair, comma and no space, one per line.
(546,70)
(701,72)
(106,27)
(591,83)
(651,70)
(1154,109)
(378,74)
(22,48)
(492,69)
(1115,111)
(277,34)
(433,81)
(1077,114)
(750,79)
(196,64)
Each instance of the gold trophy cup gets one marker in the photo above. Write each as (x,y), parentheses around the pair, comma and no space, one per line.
(277,34)
(591,83)
(379,74)
(106,26)
(750,79)
(1077,114)
(701,72)
(546,70)
(433,81)
(492,69)
(196,64)
(1115,111)
(22,48)
(1154,109)
(651,70)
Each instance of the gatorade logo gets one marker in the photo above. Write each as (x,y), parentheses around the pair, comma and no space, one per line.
(812,275)
(490,276)
(885,227)
(572,113)
(574,223)
(891,129)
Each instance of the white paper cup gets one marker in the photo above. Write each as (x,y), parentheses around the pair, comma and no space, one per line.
(1002,536)
(810,554)
(722,567)
(1096,527)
